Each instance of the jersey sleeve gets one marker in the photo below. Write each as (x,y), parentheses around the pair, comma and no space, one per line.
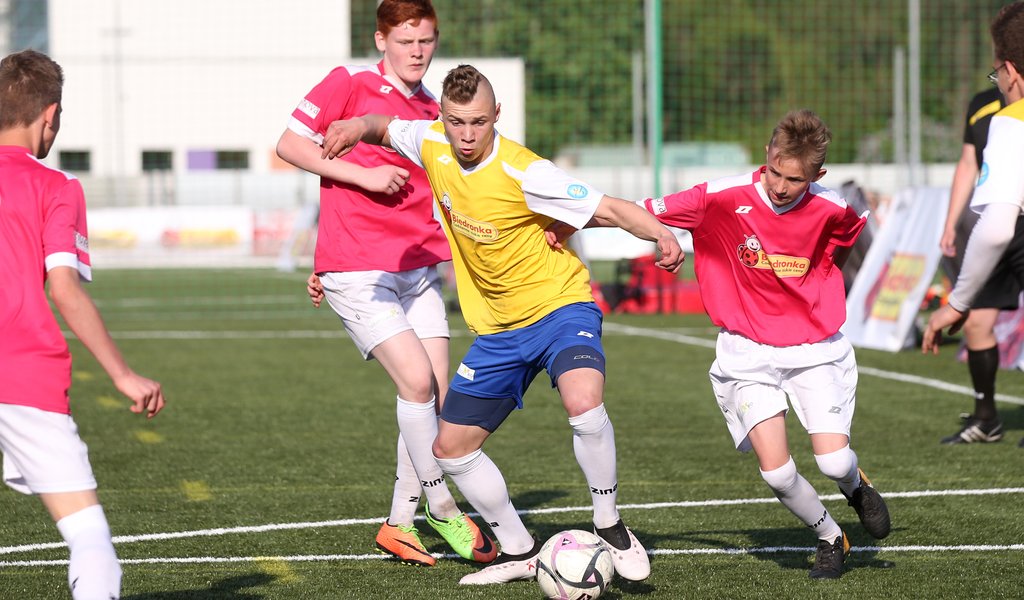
(685,209)
(407,138)
(1002,178)
(65,232)
(552,192)
(848,227)
(323,105)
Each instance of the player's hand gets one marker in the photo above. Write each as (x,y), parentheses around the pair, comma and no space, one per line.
(948,242)
(341,137)
(946,316)
(146,395)
(670,254)
(386,179)
(557,233)
(315,289)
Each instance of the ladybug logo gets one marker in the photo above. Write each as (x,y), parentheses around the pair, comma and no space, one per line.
(750,251)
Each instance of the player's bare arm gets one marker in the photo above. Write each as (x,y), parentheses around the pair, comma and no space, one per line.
(616,212)
(959,195)
(342,136)
(84,320)
(305,154)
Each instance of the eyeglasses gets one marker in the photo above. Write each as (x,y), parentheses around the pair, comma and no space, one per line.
(993,77)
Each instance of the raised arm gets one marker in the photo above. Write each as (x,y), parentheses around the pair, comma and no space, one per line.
(616,212)
(305,154)
(342,136)
(81,315)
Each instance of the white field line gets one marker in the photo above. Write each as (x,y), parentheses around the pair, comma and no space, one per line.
(664,552)
(128,539)
(671,336)
(902,377)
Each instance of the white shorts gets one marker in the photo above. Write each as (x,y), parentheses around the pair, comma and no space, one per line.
(376,305)
(751,382)
(42,452)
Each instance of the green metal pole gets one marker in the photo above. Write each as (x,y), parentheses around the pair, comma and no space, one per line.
(654,90)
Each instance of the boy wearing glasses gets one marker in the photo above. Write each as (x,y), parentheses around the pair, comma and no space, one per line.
(994,250)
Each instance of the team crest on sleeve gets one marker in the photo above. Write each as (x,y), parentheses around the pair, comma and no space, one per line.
(577,191)
(446,201)
(309,109)
(81,243)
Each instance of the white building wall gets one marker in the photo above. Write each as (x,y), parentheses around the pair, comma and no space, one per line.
(209,75)
(188,74)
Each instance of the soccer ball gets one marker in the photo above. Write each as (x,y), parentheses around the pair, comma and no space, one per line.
(574,565)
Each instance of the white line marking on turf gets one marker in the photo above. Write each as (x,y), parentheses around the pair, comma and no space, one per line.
(129,539)
(902,377)
(659,552)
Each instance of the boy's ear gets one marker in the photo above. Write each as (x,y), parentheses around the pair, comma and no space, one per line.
(821,173)
(50,113)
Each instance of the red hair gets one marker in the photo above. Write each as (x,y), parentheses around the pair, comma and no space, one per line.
(392,13)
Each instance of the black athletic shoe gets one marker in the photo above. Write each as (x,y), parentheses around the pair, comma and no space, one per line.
(1020,444)
(828,562)
(977,431)
(871,509)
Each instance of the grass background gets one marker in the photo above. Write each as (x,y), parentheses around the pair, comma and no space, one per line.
(273,418)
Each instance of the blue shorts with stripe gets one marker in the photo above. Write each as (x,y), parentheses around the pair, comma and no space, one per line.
(499,367)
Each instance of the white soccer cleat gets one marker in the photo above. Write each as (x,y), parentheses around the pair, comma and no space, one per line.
(628,554)
(506,568)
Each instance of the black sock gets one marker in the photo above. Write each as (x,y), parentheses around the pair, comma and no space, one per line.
(983,366)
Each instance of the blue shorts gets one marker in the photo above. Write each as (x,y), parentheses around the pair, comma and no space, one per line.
(499,367)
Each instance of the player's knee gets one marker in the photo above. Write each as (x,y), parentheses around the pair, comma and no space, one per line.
(837,465)
(782,479)
(458,465)
(417,389)
(589,421)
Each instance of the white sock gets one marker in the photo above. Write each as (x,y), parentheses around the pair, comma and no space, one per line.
(593,440)
(480,481)
(841,467)
(418,424)
(799,497)
(93,572)
(406,498)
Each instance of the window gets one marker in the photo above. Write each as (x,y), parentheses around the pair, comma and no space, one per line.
(75,160)
(232,159)
(203,160)
(157,160)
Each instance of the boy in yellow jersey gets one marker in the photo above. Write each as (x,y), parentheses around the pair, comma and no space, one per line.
(528,301)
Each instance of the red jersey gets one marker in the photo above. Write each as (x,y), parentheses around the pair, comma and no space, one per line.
(42,226)
(765,272)
(361,230)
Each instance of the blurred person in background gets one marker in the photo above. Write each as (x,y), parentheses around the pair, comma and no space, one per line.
(44,242)
(1001,291)
(996,245)
(377,250)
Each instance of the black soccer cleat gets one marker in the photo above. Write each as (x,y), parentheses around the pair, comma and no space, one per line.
(977,431)
(871,509)
(828,561)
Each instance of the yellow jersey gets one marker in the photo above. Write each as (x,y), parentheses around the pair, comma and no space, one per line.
(494,215)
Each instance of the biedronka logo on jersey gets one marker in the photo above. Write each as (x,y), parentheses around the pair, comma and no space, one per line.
(478,231)
(753,256)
